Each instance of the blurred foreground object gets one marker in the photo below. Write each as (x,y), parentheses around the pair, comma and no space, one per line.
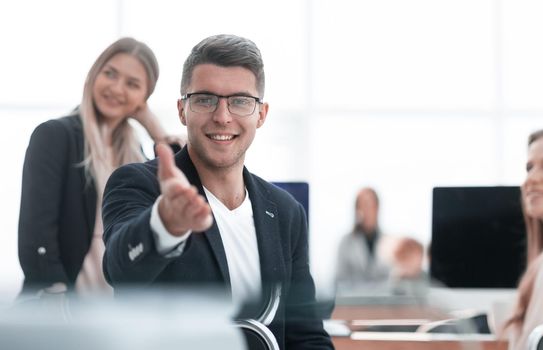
(163,320)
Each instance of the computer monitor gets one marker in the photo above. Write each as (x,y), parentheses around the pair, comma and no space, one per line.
(478,237)
(299,190)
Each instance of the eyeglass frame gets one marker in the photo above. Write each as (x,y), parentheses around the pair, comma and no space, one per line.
(186,97)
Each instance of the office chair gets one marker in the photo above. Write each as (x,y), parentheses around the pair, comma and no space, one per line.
(256,331)
(257,336)
(535,339)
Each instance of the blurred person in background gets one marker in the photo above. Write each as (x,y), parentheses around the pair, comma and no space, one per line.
(361,260)
(67,164)
(528,311)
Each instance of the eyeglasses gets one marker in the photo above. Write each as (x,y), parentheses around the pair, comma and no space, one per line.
(239,105)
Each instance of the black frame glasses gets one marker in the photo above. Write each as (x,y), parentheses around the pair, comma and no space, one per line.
(239,105)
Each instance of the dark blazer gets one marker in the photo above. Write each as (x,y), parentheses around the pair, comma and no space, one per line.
(281,228)
(58,205)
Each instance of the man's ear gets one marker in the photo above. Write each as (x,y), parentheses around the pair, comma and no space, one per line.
(181,111)
(262,114)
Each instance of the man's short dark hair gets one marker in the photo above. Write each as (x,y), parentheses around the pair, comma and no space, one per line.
(225,51)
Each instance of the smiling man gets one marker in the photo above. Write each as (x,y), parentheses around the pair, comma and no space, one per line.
(199,217)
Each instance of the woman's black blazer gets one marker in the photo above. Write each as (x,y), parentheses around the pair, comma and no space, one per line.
(58,205)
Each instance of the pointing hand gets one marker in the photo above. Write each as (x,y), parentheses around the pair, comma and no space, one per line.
(181,207)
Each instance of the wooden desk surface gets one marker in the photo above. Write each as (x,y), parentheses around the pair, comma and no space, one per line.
(386,312)
(408,340)
(346,343)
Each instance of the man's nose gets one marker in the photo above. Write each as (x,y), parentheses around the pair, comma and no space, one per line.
(222,114)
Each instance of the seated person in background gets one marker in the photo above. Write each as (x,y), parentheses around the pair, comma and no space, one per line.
(360,260)
(528,312)
(67,164)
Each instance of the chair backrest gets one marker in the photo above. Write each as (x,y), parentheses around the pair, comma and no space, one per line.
(268,314)
(257,336)
(535,339)
(256,332)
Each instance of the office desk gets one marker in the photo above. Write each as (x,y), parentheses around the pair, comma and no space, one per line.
(356,316)
(387,312)
(416,341)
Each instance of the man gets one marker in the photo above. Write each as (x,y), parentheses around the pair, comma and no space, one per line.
(201,217)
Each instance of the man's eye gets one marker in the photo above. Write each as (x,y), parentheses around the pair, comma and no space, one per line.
(240,101)
(203,100)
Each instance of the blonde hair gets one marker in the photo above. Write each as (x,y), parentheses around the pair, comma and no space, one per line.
(534,247)
(126,146)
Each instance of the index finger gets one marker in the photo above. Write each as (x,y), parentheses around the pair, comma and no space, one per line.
(166,164)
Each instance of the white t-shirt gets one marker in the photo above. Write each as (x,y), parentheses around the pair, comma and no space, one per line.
(238,236)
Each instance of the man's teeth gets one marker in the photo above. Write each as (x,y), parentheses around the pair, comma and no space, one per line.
(222,137)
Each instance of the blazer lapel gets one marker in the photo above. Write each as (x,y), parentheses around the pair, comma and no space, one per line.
(265,214)
(213,235)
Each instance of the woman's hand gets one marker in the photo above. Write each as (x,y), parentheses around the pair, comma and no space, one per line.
(151,123)
(144,115)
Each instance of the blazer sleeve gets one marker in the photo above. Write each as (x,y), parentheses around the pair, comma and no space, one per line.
(303,323)
(131,255)
(44,171)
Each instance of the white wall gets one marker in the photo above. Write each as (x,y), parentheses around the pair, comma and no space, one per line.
(400,95)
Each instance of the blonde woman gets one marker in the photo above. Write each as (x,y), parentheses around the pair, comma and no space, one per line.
(67,164)
(528,312)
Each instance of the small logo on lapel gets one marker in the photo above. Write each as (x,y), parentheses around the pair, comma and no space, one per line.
(270,214)
(134,252)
